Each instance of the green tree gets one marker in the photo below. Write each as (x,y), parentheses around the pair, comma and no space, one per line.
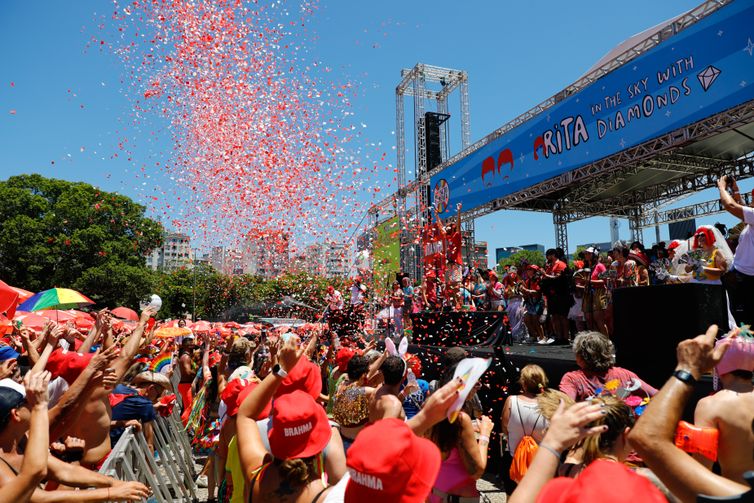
(523,257)
(57,233)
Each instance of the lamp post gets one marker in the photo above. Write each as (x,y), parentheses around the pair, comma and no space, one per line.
(193,287)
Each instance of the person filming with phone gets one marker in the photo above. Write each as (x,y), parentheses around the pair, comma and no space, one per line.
(742,295)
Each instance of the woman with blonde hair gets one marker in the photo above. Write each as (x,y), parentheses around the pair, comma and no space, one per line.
(521,414)
(523,420)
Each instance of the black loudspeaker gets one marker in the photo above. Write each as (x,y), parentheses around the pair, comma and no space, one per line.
(432,122)
(683,229)
(650,321)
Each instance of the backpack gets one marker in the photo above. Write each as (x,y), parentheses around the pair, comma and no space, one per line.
(525,451)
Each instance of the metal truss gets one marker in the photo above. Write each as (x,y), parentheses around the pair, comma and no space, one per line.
(468,232)
(561,230)
(626,160)
(687,212)
(637,50)
(570,195)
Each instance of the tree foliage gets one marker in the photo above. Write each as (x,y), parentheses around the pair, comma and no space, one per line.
(523,257)
(57,233)
(209,295)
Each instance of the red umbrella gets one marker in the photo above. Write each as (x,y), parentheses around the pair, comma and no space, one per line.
(8,300)
(22,294)
(125,313)
(6,325)
(57,315)
(201,326)
(31,320)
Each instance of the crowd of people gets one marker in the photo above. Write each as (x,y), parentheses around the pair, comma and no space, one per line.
(549,302)
(307,414)
(304,415)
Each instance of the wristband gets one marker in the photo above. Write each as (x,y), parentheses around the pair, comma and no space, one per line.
(684,376)
(483,438)
(550,449)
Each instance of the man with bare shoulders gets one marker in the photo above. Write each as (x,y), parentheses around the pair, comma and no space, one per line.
(17,405)
(387,401)
(730,411)
(93,424)
(188,373)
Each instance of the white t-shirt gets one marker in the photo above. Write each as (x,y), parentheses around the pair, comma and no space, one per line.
(55,390)
(743,261)
(338,492)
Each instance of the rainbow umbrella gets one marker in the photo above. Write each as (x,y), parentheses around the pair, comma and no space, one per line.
(55,298)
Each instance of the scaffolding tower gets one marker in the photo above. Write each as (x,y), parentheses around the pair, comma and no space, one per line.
(430,87)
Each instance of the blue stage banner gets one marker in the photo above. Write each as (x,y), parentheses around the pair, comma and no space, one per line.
(705,69)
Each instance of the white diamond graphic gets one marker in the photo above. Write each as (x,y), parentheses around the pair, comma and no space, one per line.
(707,76)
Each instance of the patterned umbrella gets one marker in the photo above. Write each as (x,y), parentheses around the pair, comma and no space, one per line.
(55,298)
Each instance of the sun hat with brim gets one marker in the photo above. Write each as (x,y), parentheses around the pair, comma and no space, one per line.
(305,376)
(299,427)
(236,392)
(342,357)
(601,481)
(739,356)
(67,364)
(388,463)
(639,258)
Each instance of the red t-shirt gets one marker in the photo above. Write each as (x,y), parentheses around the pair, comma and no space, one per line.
(555,268)
(598,269)
(454,248)
(579,386)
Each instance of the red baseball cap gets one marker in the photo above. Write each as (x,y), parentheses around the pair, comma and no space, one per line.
(236,392)
(388,463)
(342,358)
(304,376)
(601,481)
(299,427)
(67,364)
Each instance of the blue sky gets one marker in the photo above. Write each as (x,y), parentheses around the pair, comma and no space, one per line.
(64,112)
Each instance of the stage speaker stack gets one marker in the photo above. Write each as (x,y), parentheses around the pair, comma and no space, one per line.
(649,322)
(432,123)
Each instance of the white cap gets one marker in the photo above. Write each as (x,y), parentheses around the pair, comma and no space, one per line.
(10,383)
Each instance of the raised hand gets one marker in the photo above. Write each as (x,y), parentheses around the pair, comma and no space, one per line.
(290,353)
(147,313)
(568,426)
(102,359)
(700,355)
(36,388)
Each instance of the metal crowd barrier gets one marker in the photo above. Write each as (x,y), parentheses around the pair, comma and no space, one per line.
(170,475)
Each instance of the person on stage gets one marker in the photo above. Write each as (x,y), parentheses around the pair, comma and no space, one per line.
(743,263)
(556,290)
(495,292)
(534,304)
(595,293)
(639,255)
(358,297)
(712,256)
(334,300)
(515,305)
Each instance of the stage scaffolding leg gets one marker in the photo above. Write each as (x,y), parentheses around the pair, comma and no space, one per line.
(634,224)
(467,230)
(561,231)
